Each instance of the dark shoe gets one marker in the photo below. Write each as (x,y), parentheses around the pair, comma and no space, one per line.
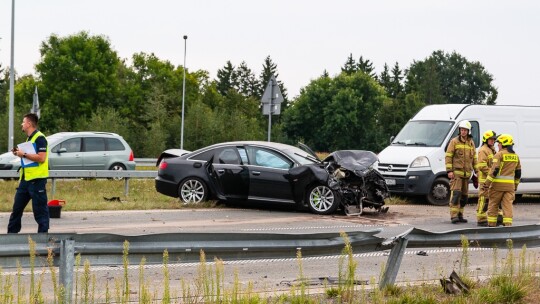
(454,220)
(462,220)
(482,224)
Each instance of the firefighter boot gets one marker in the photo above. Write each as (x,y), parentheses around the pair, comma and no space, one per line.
(462,203)
(454,206)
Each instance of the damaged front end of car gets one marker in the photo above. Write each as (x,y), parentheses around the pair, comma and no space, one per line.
(344,179)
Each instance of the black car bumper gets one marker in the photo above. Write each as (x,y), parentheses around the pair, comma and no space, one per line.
(166,187)
(414,183)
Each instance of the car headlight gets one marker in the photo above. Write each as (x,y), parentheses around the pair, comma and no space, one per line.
(15,160)
(420,161)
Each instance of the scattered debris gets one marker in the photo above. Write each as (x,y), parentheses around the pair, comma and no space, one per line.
(422,253)
(112,199)
(454,285)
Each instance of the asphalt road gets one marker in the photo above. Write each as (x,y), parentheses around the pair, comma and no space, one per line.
(278,274)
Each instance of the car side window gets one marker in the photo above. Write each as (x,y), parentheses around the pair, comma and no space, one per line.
(93,144)
(114,144)
(243,155)
(72,145)
(204,156)
(271,159)
(228,156)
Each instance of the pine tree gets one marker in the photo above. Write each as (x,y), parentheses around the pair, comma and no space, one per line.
(248,85)
(366,66)
(396,87)
(226,79)
(269,69)
(385,79)
(350,66)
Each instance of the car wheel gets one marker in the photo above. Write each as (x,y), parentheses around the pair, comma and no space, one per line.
(192,190)
(117,167)
(322,200)
(439,193)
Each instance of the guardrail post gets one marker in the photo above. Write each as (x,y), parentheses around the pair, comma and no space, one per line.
(67,261)
(126,186)
(394,261)
(53,187)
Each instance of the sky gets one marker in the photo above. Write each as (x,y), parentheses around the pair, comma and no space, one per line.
(303,37)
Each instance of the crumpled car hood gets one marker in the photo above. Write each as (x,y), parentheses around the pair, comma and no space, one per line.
(356,161)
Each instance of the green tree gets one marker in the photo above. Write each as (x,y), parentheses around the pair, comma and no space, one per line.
(385,79)
(450,78)
(366,66)
(337,113)
(396,85)
(269,68)
(248,84)
(350,66)
(78,74)
(226,79)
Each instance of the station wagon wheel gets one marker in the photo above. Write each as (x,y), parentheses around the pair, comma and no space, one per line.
(322,200)
(192,190)
(117,167)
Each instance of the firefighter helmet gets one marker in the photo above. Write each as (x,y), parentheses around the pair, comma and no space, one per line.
(505,140)
(465,125)
(489,134)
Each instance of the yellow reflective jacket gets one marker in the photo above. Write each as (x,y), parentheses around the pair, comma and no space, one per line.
(35,169)
(461,157)
(502,175)
(485,161)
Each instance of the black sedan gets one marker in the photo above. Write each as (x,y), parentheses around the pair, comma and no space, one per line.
(262,171)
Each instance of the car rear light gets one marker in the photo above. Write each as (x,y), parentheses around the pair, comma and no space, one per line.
(131,158)
(163,165)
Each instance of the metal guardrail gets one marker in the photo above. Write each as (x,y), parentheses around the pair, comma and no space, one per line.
(146,162)
(60,174)
(108,248)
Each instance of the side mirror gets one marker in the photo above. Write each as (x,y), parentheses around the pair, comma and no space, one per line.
(392,139)
(62,150)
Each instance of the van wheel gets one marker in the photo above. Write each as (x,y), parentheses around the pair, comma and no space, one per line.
(439,193)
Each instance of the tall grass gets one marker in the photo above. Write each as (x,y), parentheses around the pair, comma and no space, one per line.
(513,280)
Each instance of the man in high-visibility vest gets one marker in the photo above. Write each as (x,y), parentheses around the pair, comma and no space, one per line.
(33,177)
(460,163)
(502,181)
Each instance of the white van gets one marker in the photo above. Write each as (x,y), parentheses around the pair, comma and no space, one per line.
(413,163)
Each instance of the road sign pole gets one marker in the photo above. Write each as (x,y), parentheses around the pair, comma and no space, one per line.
(270,114)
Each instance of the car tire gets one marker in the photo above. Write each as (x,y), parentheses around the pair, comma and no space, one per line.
(439,193)
(117,167)
(192,191)
(321,199)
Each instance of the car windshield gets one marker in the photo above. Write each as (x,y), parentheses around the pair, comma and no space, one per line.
(423,133)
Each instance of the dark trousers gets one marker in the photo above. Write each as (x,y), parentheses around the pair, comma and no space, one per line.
(30,190)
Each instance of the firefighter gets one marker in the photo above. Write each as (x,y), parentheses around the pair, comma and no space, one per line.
(485,159)
(502,181)
(460,162)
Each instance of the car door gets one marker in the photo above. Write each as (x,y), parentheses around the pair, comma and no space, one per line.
(66,155)
(94,154)
(229,175)
(267,175)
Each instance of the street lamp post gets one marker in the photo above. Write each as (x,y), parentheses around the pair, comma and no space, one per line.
(183,95)
(11,79)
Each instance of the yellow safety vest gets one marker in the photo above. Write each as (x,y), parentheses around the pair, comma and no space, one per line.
(35,169)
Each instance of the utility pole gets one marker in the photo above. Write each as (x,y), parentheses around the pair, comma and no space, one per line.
(11,79)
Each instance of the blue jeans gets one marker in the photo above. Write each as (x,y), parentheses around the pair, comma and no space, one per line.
(34,190)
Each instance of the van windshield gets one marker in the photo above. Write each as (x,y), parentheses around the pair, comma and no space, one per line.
(423,133)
